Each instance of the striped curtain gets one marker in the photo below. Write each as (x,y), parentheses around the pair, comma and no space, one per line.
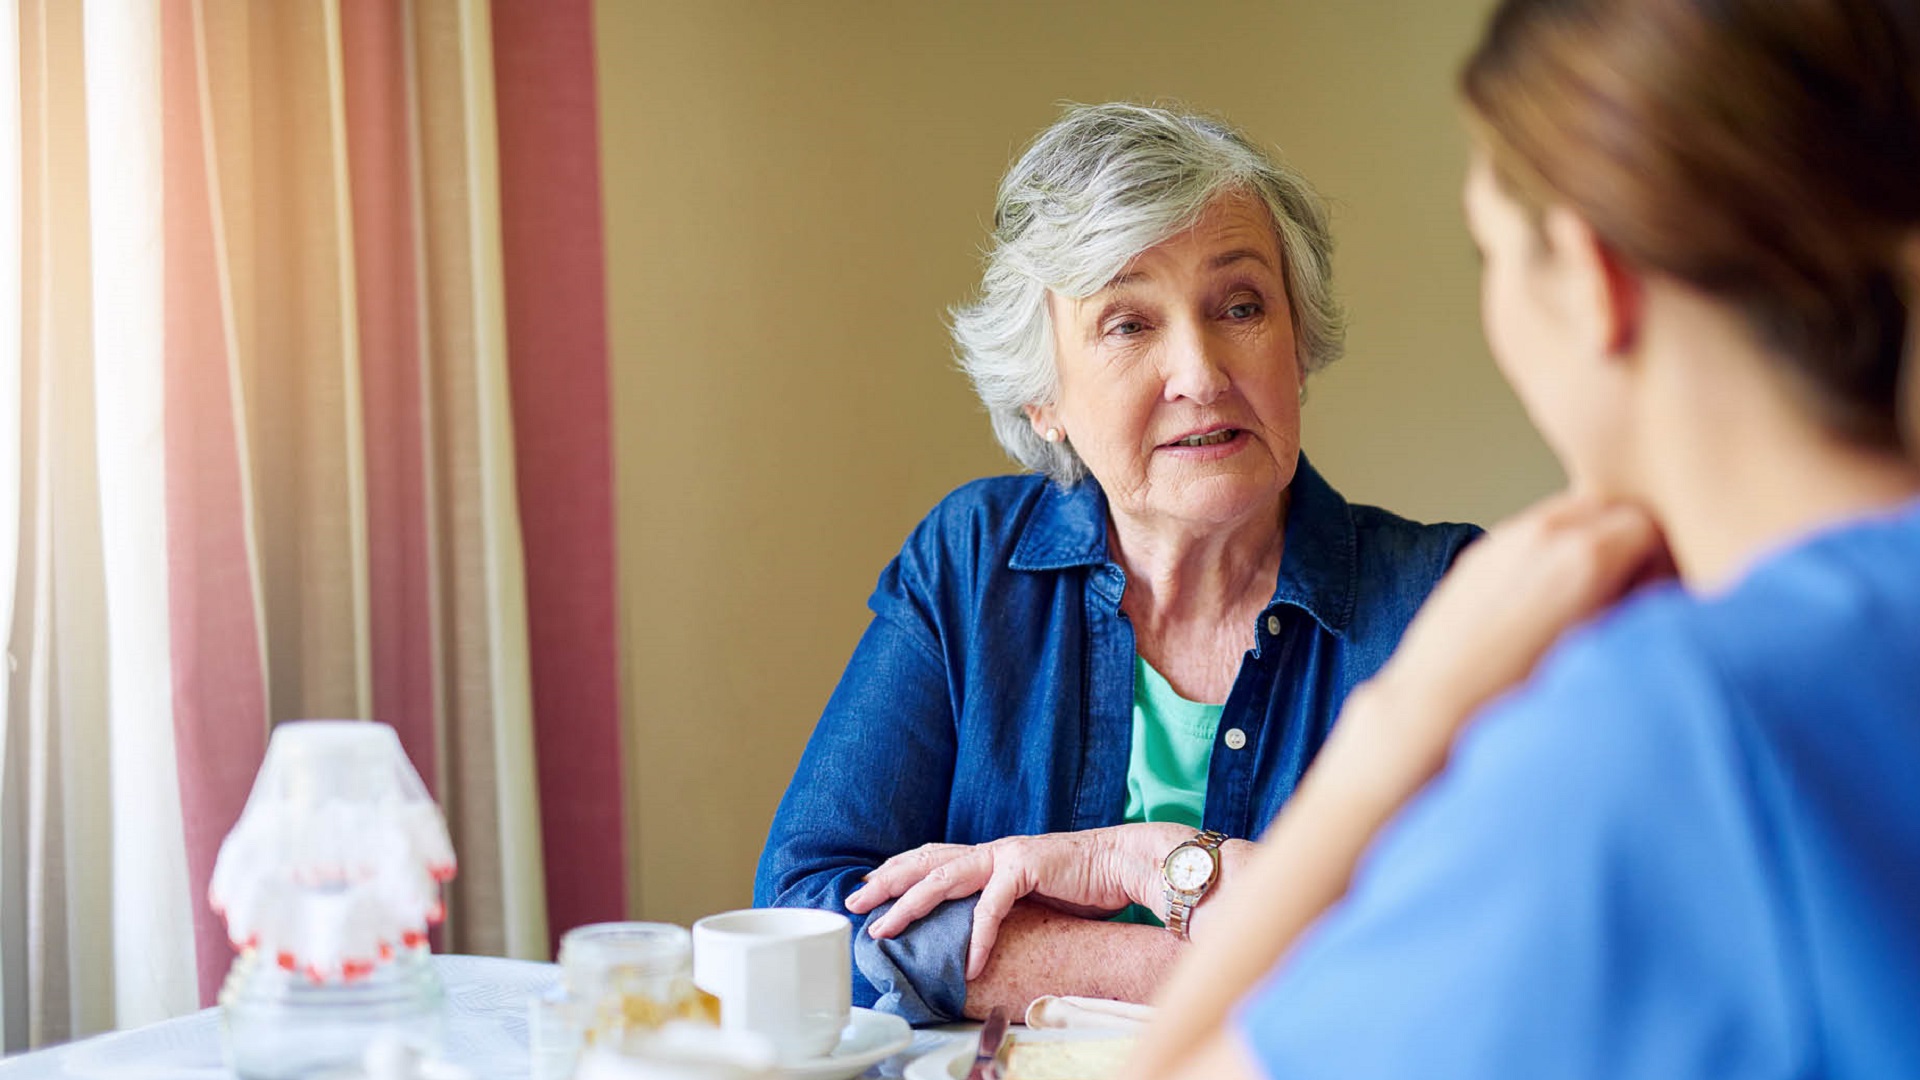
(302,346)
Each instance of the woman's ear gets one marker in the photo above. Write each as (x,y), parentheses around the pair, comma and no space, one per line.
(1045,421)
(1605,295)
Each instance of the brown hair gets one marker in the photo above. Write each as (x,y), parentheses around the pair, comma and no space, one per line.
(1764,151)
(1911,402)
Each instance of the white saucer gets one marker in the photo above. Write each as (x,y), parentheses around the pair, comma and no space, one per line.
(868,1039)
(945,1062)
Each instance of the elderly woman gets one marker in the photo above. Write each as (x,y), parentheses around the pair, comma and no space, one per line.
(1140,647)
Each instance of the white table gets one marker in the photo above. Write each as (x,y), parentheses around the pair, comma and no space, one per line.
(486,1033)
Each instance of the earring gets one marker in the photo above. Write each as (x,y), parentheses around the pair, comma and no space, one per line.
(1053,435)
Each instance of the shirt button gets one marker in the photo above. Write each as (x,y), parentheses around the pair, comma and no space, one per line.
(1273,625)
(1236,738)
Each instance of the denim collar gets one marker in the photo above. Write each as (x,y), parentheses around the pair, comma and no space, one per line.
(1318,569)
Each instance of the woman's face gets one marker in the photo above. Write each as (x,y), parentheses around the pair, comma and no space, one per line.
(1541,308)
(1178,381)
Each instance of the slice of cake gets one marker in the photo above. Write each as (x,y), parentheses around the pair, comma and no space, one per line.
(1068,1059)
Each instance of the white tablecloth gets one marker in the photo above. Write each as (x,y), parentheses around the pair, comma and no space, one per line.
(486,1032)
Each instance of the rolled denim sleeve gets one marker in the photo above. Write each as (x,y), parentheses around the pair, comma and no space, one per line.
(874,781)
(920,975)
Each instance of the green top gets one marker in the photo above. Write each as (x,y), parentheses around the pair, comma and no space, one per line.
(1172,747)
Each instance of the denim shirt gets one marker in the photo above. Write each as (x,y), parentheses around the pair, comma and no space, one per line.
(992,696)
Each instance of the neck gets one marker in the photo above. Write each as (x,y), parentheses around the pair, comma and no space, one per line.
(1734,467)
(1180,573)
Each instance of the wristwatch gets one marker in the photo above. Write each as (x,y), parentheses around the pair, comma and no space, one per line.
(1190,870)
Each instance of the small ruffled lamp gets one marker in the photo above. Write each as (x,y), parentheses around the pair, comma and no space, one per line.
(328,883)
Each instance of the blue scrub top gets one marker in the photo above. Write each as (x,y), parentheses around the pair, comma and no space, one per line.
(1689,847)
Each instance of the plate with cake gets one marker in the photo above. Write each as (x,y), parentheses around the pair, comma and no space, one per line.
(1035,1054)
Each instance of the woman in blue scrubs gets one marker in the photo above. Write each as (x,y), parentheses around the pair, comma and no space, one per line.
(1585,826)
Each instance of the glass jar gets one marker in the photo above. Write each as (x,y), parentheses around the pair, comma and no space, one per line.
(283,1025)
(619,982)
(627,979)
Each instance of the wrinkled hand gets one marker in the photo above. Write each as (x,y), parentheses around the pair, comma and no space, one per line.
(1094,872)
(1496,613)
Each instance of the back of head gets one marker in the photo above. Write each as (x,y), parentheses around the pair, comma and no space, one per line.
(1910,401)
(1766,152)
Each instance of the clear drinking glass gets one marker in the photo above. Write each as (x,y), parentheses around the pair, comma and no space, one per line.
(630,978)
(619,984)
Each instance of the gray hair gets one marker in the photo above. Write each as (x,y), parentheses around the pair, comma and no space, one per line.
(1102,185)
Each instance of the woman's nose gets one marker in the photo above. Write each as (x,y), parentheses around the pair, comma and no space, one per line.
(1194,368)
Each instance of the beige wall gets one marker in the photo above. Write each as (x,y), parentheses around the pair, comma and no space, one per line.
(794,194)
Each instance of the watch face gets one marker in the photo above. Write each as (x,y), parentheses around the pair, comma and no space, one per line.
(1189,868)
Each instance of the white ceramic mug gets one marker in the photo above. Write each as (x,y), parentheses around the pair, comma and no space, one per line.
(784,974)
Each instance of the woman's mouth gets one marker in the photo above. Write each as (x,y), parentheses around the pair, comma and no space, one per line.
(1210,438)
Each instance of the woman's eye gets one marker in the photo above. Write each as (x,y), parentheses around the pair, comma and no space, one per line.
(1126,327)
(1246,309)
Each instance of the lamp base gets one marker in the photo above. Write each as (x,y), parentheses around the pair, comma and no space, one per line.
(281,1025)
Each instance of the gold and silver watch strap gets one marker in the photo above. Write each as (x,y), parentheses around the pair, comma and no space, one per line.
(1180,905)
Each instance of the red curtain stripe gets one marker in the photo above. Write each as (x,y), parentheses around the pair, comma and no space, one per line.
(554,248)
(219,692)
(387,296)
